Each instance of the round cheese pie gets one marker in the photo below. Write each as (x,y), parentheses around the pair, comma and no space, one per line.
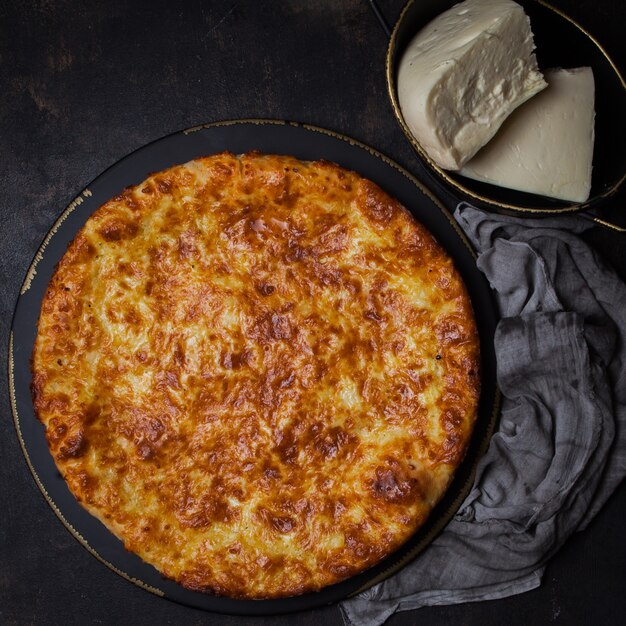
(259,373)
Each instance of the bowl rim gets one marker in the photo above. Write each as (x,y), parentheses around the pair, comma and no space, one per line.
(443,176)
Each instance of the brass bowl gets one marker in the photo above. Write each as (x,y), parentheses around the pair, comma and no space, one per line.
(560,42)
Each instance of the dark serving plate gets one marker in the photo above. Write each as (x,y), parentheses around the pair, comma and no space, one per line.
(560,42)
(304,142)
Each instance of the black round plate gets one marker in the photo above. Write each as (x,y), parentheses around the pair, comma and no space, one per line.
(304,142)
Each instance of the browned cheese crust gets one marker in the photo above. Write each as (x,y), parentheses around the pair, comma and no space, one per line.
(259,373)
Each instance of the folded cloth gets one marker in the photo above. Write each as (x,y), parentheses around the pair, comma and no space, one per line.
(560,447)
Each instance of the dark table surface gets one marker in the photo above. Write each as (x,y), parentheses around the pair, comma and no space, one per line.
(84,83)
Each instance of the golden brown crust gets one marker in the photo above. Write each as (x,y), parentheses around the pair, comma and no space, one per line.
(259,373)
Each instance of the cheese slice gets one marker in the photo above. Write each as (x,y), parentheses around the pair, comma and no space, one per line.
(546,146)
(463,74)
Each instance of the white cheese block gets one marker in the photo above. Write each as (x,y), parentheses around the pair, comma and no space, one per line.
(546,145)
(463,74)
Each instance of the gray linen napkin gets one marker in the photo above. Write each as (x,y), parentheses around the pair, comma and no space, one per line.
(560,448)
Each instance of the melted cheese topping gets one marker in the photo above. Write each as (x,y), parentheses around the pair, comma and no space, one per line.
(259,373)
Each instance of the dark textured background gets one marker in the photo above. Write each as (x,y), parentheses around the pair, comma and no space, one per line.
(84,83)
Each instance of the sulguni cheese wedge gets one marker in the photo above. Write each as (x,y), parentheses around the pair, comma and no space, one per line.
(463,74)
(546,146)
